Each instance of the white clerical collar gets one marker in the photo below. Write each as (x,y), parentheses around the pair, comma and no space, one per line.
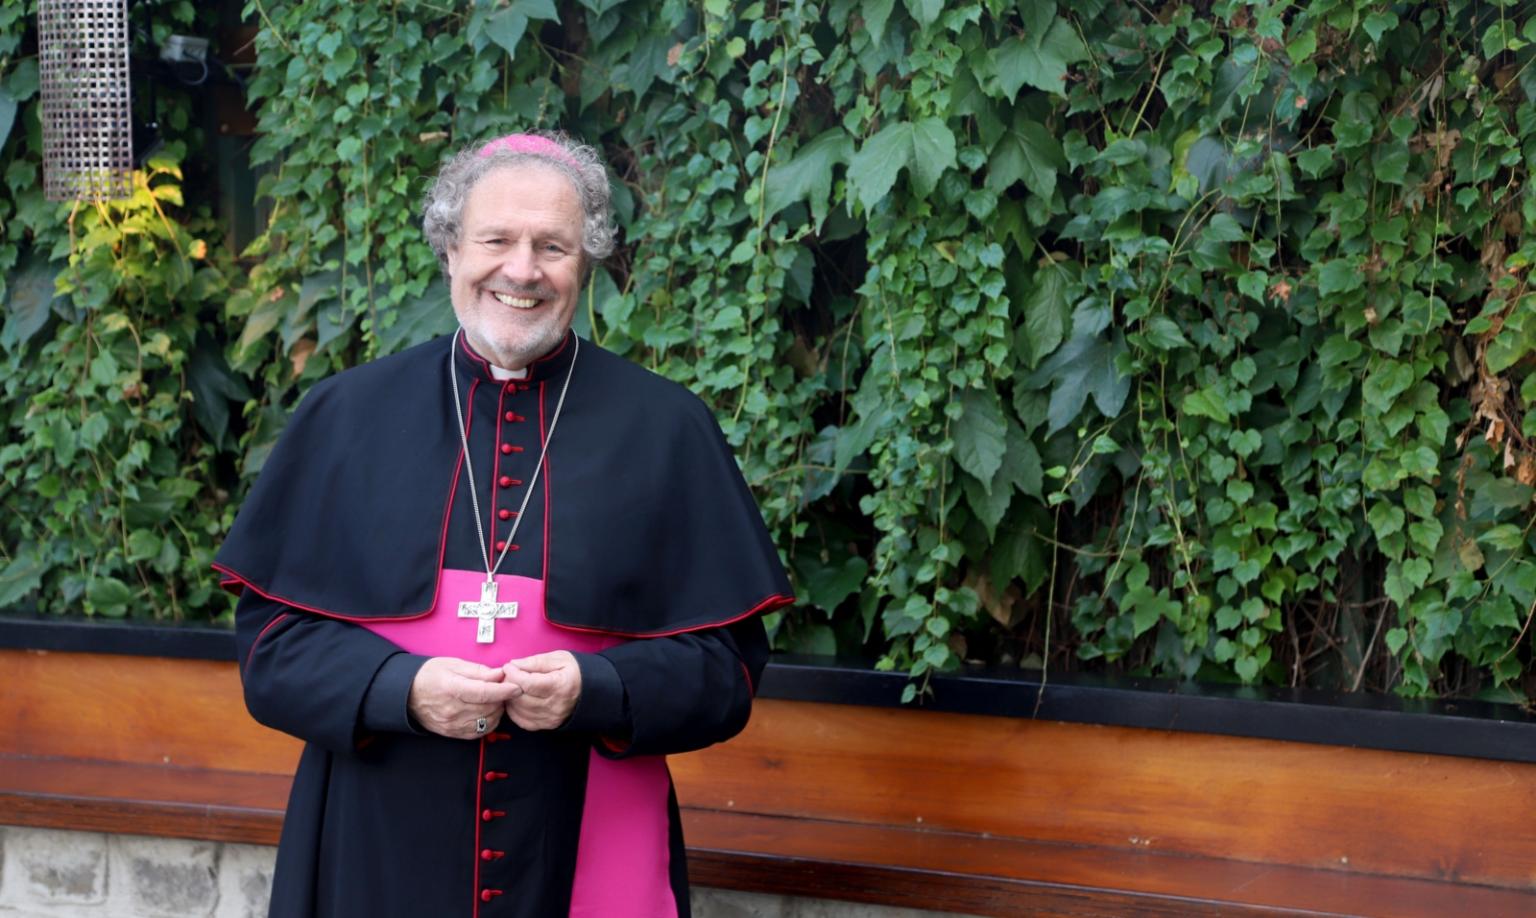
(504,373)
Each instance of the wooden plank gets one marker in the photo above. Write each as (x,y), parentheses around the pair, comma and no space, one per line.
(148,710)
(1287,804)
(142,799)
(877,864)
(1262,801)
(1005,877)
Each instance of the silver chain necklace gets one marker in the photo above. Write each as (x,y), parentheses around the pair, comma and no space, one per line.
(487,610)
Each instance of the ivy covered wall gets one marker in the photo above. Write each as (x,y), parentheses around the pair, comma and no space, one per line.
(1189,339)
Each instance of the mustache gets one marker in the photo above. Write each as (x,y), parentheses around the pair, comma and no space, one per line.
(533,292)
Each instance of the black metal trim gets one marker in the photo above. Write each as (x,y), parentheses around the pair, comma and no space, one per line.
(1474,729)
(121,636)
(1461,728)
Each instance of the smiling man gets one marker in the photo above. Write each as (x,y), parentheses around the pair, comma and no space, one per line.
(492,581)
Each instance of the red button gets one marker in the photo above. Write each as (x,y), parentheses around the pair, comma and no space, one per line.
(495,775)
(511,387)
(489,855)
(501,544)
(487,895)
(510,416)
(504,514)
(506,448)
(488,815)
(505,481)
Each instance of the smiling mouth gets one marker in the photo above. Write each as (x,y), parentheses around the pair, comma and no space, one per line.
(517,302)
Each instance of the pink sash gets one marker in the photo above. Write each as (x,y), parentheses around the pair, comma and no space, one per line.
(623,858)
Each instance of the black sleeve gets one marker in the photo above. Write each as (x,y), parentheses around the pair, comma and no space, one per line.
(324,681)
(661,696)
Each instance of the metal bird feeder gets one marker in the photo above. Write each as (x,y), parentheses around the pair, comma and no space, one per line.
(87,126)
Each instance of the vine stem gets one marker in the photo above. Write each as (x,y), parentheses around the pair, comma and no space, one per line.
(261,10)
(762,222)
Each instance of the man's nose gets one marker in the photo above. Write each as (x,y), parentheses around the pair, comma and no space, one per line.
(520,266)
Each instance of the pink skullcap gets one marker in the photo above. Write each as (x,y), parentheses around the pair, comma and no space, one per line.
(530,143)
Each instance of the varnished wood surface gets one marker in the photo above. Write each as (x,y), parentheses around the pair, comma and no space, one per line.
(877,864)
(1265,801)
(871,804)
(149,710)
(1005,877)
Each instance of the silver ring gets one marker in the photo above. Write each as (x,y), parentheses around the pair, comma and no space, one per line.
(481,725)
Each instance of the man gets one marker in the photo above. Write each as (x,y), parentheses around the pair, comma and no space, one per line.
(492,580)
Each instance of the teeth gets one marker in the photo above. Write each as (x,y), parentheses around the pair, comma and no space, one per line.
(517,301)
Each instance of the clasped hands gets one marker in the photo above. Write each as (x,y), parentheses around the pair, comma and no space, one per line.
(537,693)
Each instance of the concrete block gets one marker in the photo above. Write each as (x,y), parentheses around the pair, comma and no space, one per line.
(245,881)
(725,903)
(48,867)
(164,877)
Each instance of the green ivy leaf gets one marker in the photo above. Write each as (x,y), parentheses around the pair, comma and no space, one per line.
(28,302)
(808,176)
(1027,151)
(1339,276)
(1046,313)
(926,148)
(827,587)
(506,28)
(926,12)
(1164,334)
(1385,518)
(876,14)
(421,319)
(980,435)
(1084,366)
(1207,403)
(1039,59)
(22,575)
(7,114)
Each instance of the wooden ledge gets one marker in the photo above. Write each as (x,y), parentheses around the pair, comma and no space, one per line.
(886,865)
(964,812)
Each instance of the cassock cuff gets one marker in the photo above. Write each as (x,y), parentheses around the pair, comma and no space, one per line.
(385,704)
(600,708)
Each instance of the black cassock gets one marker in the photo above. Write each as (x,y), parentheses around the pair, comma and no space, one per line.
(639,548)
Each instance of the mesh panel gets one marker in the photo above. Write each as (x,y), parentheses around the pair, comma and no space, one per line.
(87,126)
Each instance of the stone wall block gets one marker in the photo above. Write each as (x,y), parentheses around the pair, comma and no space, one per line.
(245,881)
(164,877)
(47,867)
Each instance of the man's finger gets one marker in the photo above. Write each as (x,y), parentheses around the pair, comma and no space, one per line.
(470,670)
(543,662)
(476,692)
(533,683)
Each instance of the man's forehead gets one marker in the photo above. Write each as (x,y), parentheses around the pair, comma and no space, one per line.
(513,197)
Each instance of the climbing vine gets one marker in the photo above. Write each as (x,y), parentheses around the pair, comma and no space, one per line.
(1189,339)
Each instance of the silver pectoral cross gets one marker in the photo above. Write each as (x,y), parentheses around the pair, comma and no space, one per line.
(486,611)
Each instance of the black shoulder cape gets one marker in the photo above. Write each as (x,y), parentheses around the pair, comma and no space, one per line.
(650,529)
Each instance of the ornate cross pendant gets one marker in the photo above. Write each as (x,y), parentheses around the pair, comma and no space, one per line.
(486,611)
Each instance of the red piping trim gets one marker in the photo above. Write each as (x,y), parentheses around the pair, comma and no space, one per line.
(464,343)
(232,576)
(557,351)
(479,787)
(776,601)
(747,675)
(252,652)
(544,450)
(490,511)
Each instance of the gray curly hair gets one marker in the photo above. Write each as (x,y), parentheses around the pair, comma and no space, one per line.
(443,210)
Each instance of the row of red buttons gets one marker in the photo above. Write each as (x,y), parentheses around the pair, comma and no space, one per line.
(491,854)
(507,481)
